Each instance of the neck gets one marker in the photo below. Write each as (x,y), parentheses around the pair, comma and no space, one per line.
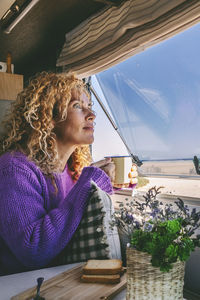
(64,153)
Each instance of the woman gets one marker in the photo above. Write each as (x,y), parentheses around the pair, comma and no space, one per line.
(45,175)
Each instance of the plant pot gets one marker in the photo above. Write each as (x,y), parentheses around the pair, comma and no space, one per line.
(145,282)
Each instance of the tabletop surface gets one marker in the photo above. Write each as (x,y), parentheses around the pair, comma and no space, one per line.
(14,284)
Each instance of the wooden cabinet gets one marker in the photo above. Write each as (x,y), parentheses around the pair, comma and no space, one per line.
(10,85)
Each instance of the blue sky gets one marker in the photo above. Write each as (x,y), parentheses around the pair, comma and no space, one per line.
(154,97)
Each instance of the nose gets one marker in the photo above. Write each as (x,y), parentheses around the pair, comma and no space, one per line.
(91,115)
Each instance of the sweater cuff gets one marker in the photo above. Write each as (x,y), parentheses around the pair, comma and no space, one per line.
(82,187)
(99,177)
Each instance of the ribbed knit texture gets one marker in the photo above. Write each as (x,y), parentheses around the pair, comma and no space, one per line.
(35,223)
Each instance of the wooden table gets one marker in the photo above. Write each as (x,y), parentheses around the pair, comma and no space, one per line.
(12,285)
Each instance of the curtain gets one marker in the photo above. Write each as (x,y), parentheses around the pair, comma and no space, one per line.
(116,33)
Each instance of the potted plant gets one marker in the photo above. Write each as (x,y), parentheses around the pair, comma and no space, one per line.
(160,239)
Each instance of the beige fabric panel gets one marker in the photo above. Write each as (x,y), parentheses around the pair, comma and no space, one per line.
(4,6)
(117,33)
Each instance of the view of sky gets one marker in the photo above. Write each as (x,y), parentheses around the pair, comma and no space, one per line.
(154,98)
(107,141)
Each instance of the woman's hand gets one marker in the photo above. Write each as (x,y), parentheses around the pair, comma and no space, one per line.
(107,166)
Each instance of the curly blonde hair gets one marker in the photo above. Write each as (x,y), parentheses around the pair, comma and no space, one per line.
(29,127)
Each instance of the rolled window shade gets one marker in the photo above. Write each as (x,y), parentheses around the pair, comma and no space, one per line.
(116,33)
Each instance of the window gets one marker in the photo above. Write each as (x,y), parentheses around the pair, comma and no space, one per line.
(154,99)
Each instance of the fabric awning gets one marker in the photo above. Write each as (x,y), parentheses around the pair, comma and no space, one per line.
(116,33)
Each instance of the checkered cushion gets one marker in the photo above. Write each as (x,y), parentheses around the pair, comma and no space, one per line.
(93,238)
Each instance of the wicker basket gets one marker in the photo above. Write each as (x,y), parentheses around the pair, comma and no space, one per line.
(147,282)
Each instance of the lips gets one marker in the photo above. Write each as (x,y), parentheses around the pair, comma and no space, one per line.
(88,128)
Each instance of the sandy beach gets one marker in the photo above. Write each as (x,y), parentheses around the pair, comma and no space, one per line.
(180,187)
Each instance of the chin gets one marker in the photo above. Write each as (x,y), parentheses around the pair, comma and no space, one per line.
(90,140)
(87,140)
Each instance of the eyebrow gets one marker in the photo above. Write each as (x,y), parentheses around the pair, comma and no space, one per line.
(72,100)
(75,100)
(79,100)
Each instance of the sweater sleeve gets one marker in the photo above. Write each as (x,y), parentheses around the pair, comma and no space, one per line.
(33,234)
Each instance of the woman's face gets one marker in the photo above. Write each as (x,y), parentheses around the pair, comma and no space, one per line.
(78,128)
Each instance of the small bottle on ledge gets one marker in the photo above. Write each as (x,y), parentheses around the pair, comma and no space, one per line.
(8,61)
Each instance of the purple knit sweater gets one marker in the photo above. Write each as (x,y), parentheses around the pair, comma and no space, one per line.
(35,223)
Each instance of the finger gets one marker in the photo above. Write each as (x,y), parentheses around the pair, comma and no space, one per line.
(133,181)
(109,167)
(121,185)
(132,174)
(101,163)
(126,185)
(118,185)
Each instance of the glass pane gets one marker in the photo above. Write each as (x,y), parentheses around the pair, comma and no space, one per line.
(154,98)
(106,140)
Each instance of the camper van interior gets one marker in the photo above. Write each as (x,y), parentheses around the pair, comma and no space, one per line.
(37,39)
(141,61)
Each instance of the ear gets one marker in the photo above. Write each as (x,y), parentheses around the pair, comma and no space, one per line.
(53,123)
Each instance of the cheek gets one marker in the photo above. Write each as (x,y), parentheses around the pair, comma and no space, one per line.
(73,122)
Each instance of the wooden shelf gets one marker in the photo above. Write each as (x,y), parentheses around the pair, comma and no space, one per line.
(10,85)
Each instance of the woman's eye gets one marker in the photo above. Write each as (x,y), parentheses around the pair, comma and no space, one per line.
(77,105)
